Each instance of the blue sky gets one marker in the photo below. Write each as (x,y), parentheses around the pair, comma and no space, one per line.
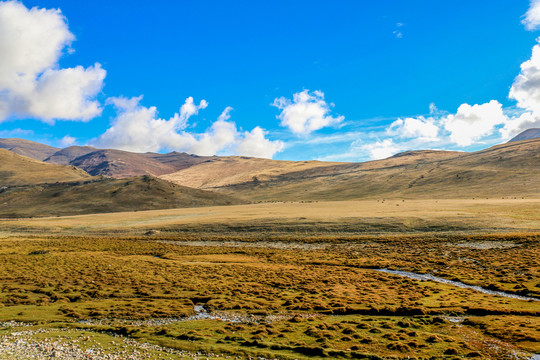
(295,80)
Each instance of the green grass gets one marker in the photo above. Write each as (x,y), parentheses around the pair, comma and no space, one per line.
(59,282)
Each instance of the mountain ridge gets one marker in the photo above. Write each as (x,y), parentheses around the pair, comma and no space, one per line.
(509,169)
(528,134)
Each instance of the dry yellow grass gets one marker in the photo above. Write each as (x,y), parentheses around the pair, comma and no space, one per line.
(412,215)
(21,170)
(58,282)
(232,170)
(236,170)
(504,170)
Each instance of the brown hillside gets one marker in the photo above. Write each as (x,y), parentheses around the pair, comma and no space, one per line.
(103,196)
(234,170)
(224,171)
(122,164)
(28,148)
(67,155)
(179,161)
(511,169)
(21,170)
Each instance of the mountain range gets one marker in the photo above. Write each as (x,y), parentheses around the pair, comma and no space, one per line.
(40,180)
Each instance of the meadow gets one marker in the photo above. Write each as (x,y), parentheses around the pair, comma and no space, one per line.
(275,285)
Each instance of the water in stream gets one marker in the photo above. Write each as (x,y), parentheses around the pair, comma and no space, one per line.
(429,277)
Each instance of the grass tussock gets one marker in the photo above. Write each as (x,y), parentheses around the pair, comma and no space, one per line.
(343,308)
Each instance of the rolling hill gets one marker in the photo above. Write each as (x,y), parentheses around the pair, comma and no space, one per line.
(119,164)
(511,169)
(224,171)
(104,195)
(28,148)
(21,170)
(506,170)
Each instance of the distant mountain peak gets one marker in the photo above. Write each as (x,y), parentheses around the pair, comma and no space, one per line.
(528,134)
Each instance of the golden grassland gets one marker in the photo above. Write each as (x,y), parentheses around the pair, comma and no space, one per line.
(230,170)
(103,195)
(350,309)
(300,274)
(303,219)
(21,170)
(511,169)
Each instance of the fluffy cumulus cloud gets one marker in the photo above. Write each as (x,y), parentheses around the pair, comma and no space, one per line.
(526,87)
(420,128)
(531,20)
(307,112)
(138,128)
(472,123)
(254,143)
(31,82)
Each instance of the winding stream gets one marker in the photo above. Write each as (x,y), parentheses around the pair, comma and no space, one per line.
(429,277)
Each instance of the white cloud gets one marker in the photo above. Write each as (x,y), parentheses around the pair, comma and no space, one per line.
(221,135)
(398,33)
(526,87)
(307,112)
(526,91)
(31,83)
(419,127)
(518,124)
(138,128)
(67,141)
(380,149)
(254,143)
(532,17)
(471,123)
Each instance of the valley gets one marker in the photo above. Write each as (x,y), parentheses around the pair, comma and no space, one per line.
(308,260)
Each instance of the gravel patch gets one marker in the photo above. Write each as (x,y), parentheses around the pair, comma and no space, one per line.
(24,345)
(486,245)
(201,314)
(257,244)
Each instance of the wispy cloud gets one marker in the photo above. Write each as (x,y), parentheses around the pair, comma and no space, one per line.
(398,33)
(531,19)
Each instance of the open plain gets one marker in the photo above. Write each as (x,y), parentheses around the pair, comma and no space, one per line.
(269,180)
(283,280)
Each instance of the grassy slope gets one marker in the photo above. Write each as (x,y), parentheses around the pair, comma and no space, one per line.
(105,195)
(234,170)
(19,170)
(28,148)
(504,170)
(223,171)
